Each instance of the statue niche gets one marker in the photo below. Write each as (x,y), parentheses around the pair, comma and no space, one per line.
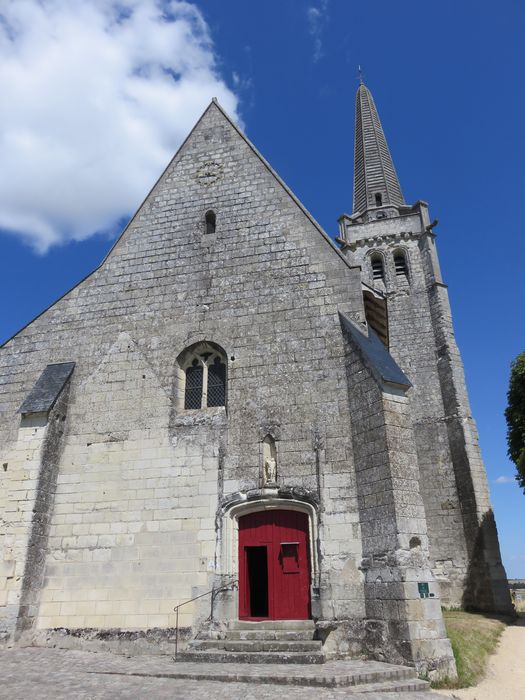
(269,461)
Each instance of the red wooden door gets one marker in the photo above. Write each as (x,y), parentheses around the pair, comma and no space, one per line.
(274,567)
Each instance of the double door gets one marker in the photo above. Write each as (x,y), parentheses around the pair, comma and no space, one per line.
(274,569)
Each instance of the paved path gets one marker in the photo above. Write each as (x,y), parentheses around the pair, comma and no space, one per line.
(54,674)
(505,679)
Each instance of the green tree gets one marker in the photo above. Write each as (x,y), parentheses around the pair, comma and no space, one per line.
(515,415)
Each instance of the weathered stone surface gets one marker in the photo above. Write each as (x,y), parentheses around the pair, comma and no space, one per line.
(119,503)
(51,674)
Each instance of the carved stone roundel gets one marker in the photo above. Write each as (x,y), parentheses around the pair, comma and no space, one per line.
(209,173)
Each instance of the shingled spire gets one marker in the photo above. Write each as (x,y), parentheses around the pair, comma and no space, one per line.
(375,178)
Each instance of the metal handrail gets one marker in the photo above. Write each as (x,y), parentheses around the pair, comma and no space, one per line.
(213,592)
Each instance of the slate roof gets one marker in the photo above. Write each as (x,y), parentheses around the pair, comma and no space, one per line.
(47,389)
(374,170)
(375,355)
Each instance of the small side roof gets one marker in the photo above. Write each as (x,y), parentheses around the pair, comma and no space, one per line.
(375,355)
(46,391)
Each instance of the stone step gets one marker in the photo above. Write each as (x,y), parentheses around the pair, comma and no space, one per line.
(221,656)
(413,685)
(354,675)
(280,635)
(255,646)
(274,625)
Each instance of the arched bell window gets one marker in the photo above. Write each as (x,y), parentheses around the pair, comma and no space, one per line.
(202,377)
(400,264)
(211,221)
(378,271)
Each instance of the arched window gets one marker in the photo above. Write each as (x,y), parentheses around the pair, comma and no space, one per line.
(202,377)
(193,392)
(379,199)
(210,221)
(400,264)
(217,382)
(376,261)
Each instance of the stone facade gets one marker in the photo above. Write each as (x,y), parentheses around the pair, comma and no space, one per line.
(117,503)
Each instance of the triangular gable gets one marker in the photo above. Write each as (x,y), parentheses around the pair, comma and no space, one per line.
(214,105)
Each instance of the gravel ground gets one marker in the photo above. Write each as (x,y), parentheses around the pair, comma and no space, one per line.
(505,679)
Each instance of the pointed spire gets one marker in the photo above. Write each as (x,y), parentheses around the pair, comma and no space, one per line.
(375,178)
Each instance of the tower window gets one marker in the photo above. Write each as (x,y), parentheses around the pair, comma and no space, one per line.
(210,221)
(376,313)
(378,272)
(400,264)
(379,199)
(202,377)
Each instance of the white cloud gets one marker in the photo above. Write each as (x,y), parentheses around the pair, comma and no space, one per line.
(96,95)
(505,480)
(317,16)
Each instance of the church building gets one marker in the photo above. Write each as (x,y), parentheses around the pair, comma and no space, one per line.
(236,423)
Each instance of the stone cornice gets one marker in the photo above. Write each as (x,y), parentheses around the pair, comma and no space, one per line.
(382,239)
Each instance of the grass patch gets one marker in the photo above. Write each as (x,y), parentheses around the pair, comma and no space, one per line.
(519,604)
(473,637)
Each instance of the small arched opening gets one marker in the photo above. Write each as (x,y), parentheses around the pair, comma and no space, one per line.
(378,270)
(211,221)
(400,264)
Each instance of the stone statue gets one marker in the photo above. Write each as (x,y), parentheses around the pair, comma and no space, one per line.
(270,470)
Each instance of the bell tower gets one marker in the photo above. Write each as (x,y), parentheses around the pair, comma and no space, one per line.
(406,302)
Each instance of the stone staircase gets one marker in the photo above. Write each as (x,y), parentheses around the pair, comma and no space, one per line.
(247,648)
(272,642)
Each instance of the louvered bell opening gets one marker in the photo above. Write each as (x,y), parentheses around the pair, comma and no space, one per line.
(377,268)
(193,394)
(217,383)
(400,264)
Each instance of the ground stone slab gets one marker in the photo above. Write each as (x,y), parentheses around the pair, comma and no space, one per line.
(54,674)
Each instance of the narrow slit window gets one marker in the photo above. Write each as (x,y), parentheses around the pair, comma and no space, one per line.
(400,264)
(211,221)
(378,272)
(379,199)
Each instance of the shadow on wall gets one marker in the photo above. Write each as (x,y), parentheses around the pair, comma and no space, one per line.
(486,586)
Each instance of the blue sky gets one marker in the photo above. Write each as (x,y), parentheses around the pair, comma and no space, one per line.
(94,104)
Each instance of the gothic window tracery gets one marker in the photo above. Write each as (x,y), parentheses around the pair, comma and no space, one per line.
(202,377)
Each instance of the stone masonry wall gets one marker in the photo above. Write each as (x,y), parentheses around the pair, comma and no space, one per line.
(134,527)
(411,343)
(463,541)
(394,528)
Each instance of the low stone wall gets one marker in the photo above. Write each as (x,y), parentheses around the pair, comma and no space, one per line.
(153,641)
